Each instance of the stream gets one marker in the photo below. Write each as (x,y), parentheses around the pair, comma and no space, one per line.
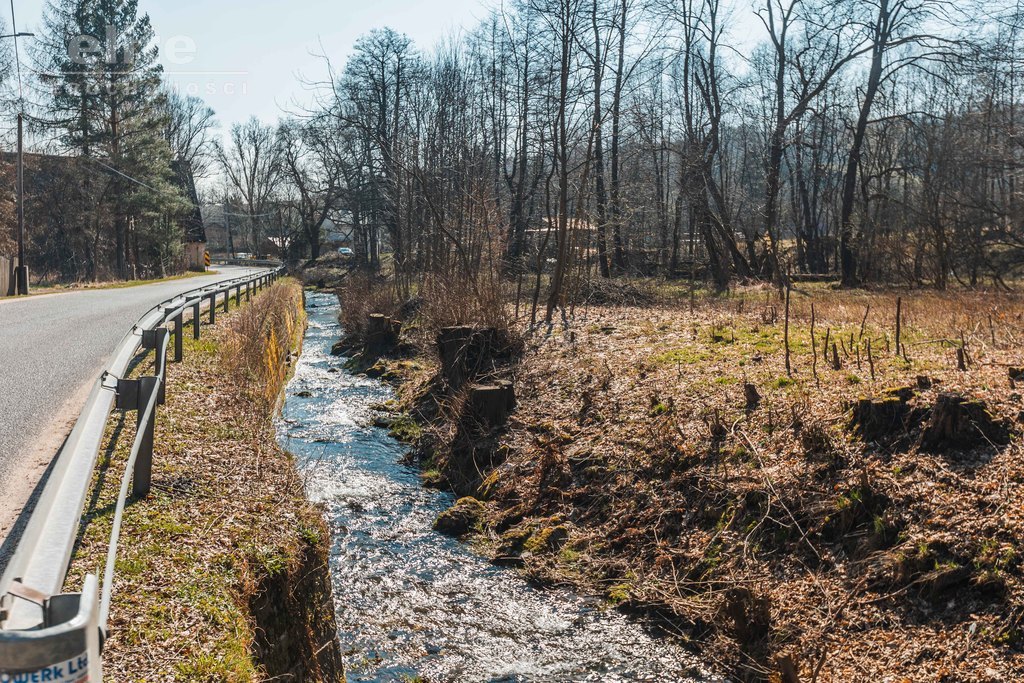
(411,603)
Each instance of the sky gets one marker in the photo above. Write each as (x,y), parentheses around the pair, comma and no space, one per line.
(250,58)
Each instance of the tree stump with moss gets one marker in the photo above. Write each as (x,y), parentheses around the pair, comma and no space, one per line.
(878,418)
(460,518)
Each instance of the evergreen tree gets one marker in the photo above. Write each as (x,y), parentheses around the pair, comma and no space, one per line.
(98,63)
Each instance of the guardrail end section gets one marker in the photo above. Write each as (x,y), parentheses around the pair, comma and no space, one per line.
(65,649)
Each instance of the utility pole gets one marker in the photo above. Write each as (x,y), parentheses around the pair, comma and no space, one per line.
(21,273)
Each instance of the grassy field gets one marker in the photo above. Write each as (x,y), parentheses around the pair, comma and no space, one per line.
(55,287)
(804,513)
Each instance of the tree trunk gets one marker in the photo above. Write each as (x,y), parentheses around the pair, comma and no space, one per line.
(601,194)
(847,259)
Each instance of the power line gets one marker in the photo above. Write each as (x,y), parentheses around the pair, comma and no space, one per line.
(123,175)
(248,215)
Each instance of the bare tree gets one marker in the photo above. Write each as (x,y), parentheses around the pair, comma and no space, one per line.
(188,124)
(251,162)
(891,25)
(311,174)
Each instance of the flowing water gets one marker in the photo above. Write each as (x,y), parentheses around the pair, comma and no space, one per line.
(411,602)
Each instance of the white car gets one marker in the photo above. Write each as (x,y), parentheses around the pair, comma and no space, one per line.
(345,251)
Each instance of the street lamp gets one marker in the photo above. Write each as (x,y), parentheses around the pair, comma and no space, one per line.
(21,272)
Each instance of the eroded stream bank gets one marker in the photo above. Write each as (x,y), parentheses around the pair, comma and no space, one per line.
(412,602)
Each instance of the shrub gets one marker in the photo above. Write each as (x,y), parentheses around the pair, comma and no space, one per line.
(361,295)
(261,336)
(452,300)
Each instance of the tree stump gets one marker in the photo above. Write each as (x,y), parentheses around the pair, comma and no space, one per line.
(752,396)
(460,518)
(747,615)
(959,423)
(902,393)
(381,332)
(463,352)
(491,404)
(874,419)
(453,346)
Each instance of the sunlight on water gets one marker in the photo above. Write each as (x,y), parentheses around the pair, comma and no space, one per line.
(412,602)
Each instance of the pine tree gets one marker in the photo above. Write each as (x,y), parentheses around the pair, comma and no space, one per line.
(103,95)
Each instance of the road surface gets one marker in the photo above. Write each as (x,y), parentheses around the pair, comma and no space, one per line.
(52,349)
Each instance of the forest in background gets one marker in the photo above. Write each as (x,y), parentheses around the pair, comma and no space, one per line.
(877,142)
(871,141)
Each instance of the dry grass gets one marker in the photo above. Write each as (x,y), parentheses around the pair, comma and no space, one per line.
(47,287)
(447,302)
(260,340)
(857,560)
(328,271)
(436,303)
(226,511)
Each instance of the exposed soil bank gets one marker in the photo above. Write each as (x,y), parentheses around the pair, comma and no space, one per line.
(222,570)
(858,517)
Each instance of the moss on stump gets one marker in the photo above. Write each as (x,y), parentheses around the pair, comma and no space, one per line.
(460,518)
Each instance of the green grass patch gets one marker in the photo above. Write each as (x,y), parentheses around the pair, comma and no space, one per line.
(681,356)
(406,429)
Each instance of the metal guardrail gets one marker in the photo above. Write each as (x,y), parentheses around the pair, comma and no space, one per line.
(49,636)
(244,262)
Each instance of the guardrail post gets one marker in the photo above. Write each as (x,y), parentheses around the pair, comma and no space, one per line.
(227,300)
(179,350)
(142,476)
(195,320)
(154,339)
(248,291)
(238,296)
(213,308)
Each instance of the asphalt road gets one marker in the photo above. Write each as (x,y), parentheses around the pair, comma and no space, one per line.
(52,349)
